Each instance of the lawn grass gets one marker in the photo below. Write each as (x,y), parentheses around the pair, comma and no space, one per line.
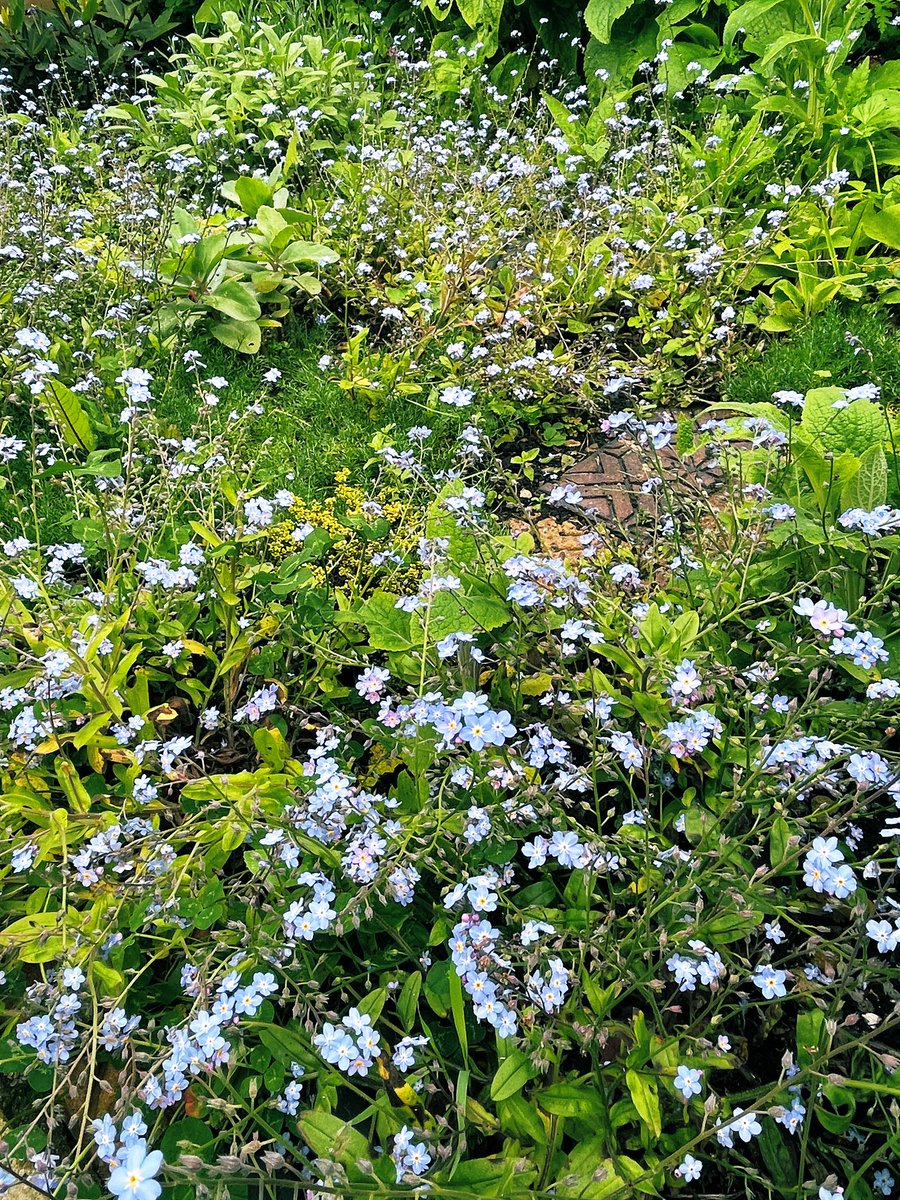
(312,428)
(820,354)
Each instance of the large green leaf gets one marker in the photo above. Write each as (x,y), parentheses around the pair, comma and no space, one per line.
(749,18)
(645,1095)
(243,336)
(68,415)
(252,193)
(484,17)
(330,1137)
(808,45)
(513,1073)
(884,226)
(855,427)
(868,487)
(570,1100)
(313,252)
(387,625)
(600,15)
(859,426)
(235,300)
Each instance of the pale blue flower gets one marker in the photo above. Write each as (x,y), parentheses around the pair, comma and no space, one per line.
(134,1179)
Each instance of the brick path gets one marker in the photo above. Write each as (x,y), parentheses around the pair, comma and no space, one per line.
(610,478)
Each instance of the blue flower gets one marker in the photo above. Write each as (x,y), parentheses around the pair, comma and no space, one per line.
(770,982)
(134,1179)
(688,1081)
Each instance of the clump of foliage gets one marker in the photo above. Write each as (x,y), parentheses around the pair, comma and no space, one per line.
(358,841)
(584,884)
(83,42)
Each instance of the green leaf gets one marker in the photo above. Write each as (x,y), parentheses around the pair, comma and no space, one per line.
(243,336)
(856,427)
(729,927)
(811,1036)
(313,252)
(74,790)
(884,226)
(589,1176)
(778,841)
(645,1095)
(600,999)
(372,1004)
(791,41)
(68,415)
(843,1102)
(388,626)
(819,410)
(522,1119)
(570,1100)
(868,487)
(779,1159)
(483,16)
(600,15)
(252,193)
(271,747)
(206,255)
(188,1135)
(235,300)
(513,1073)
(747,18)
(330,1137)
(408,1000)
(457,1007)
(437,986)
(282,1044)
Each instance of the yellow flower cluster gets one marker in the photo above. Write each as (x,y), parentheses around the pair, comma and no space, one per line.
(347,564)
